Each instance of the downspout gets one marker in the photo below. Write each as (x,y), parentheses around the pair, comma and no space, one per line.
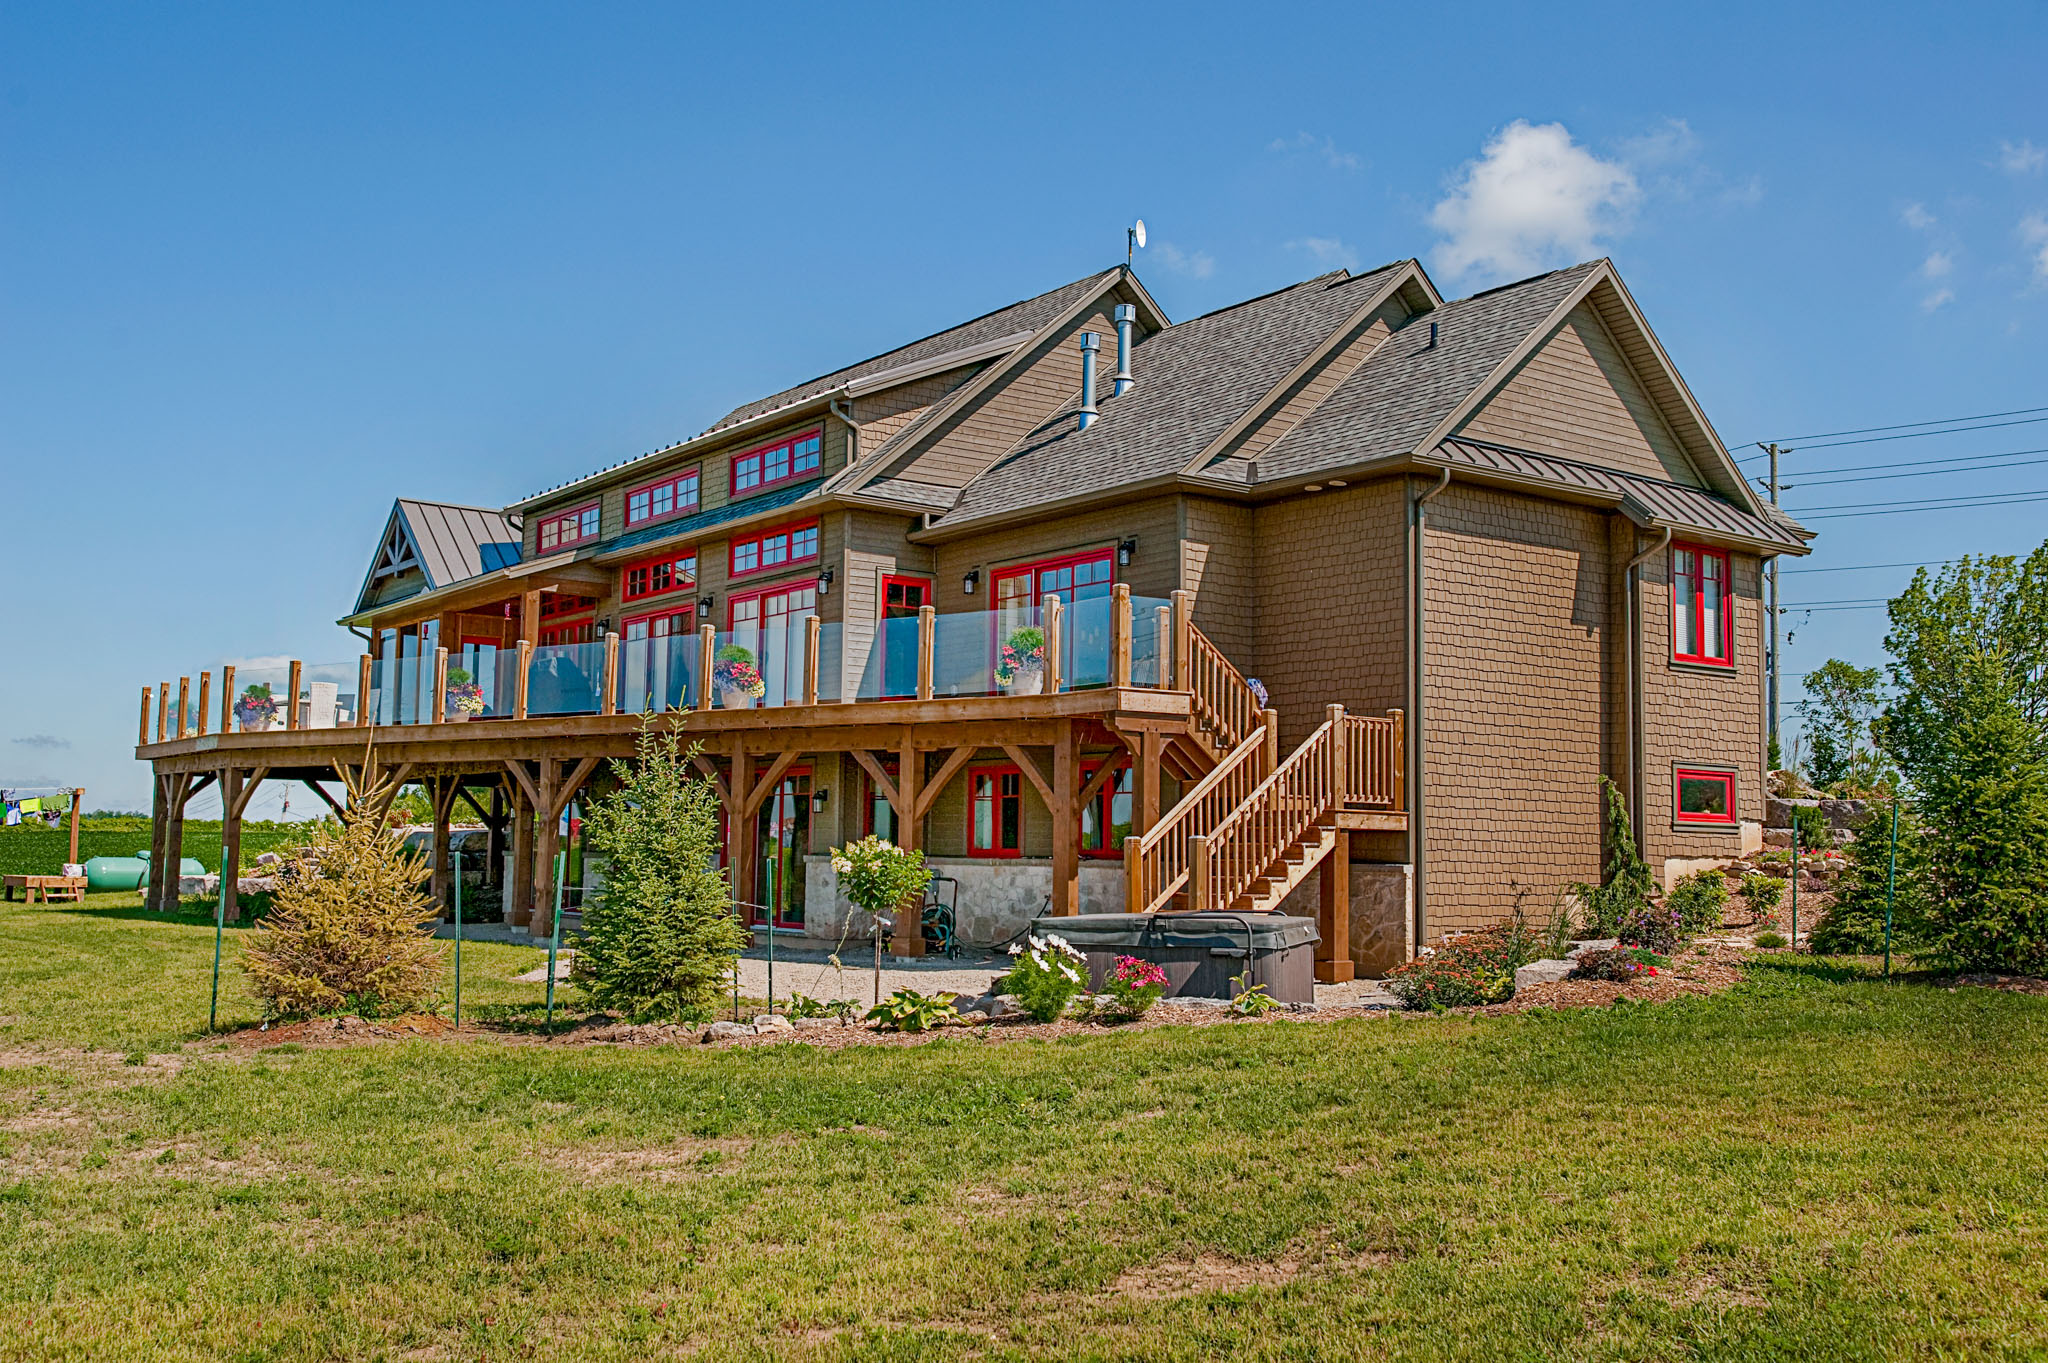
(852,431)
(1416,860)
(1633,586)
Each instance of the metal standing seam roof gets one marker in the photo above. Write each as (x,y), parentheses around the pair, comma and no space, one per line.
(455,542)
(1694,508)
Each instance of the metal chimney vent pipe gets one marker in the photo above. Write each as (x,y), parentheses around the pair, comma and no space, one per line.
(1126,315)
(1090,343)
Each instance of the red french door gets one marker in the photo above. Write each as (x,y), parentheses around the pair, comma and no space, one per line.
(1084,583)
(902,599)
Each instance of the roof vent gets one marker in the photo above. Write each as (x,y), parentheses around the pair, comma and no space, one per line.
(1090,343)
(1432,337)
(1126,315)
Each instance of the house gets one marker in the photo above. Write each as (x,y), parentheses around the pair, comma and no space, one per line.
(1347,598)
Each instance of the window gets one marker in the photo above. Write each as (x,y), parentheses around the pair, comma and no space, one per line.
(1084,583)
(902,599)
(1106,819)
(995,812)
(570,527)
(770,625)
(777,463)
(671,495)
(1705,797)
(775,548)
(1700,618)
(878,816)
(672,572)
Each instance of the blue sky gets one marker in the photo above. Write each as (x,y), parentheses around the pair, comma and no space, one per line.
(263,268)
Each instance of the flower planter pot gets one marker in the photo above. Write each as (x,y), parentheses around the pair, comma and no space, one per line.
(734,699)
(1028,681)
(255,721)
(458,717)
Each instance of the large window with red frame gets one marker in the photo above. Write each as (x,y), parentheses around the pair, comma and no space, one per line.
(878,816)
(1082,581)
(671,496)
(567,618)
(567,528)
(1701,621)
(781,462)
(777,548)
(672,572)
(1106,819)
(1704,796)
(770,625)
(995,812)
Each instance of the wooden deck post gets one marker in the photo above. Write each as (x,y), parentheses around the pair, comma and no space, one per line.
(1340,757)
(608,702)
(205,700)
(1066,829)
(1271,719)
(364,664)
(1120,635)
(440,694)
(1162,632)
(1400,758)
(227,697)
(1198,873)
(163,709)
(1055,626)
(927,634)
(707,658)
(1333,914)
(291,704)
(76,796)
(814,630)
(1134,887)
(519,682)
(1183,641)
(142,734)
(184,702)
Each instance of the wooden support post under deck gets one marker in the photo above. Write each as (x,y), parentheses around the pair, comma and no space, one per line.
(1055,626)
(184,702)
(76,796)
(519,897)
(291,703)
(494,850)
(142,735)
(205,700)
(743,830)
(927,632)
(364,718)
(547,841)
(1145,781)
(441,791)
(163,875)
(159,824)
(608,701)
(236,790)
(909,939)
(1120,635)
(1066,831)
(227,697)
(1333,914)
(814,629)
(707,657)
(440,692)
(525,666)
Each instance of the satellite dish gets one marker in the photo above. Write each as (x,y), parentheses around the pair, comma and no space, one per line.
(1138,232)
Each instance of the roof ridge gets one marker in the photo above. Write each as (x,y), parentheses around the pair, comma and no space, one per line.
(1275,293)
(454,506)
(1530,279)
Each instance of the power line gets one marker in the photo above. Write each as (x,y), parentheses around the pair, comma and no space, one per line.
(1906,435)
(1909,464)
(1939,504)
(1907,425)
(1920,473)
(1867,567)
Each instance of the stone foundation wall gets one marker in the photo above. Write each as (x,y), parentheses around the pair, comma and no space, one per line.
(1382,913)
(996,899)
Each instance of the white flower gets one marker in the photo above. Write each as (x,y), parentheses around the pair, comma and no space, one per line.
(1070,973)
(1016,950)
(1038,943)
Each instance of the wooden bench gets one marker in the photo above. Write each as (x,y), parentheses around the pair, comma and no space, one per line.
(50,887)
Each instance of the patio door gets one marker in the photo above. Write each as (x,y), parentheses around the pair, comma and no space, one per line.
(1084,583)
(785,835)
(479,657)
(654,669)
(902,599)
(770,625)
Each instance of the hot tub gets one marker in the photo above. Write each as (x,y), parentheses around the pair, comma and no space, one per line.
(1198,951)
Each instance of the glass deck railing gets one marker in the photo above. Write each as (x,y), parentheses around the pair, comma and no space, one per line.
(564,679)
(657,674)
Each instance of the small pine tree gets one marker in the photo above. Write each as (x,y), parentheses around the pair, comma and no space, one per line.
(1628,883)
(1854,923)
(1985,809)
(661,942)
(348,926)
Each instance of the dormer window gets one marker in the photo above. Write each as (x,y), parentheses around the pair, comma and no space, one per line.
(781,462)
(569,527)
(672,496)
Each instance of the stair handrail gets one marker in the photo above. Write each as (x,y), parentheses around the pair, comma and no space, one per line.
(1222,700)
(1155,862)
(1302,791)
(1373,753)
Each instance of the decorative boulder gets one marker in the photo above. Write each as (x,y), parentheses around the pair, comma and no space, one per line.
(727,1031)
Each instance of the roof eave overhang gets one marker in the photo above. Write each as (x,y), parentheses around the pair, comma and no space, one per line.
(556,570)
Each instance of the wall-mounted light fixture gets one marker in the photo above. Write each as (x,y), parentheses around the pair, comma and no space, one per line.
(704,605)
(819,797)
(1126,550)
(604,624)
(825,583)
(971,583)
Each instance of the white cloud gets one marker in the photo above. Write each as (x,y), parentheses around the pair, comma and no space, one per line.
(1324,147)
(2022,157)
(1533,198)
(1916,216)
(1196,264)
(1672,143)
(1329,252)
(1939,298)
(2034,235)
(1937,265)
(42,741)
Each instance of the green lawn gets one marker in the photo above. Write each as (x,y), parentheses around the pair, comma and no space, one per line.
(1813,1166)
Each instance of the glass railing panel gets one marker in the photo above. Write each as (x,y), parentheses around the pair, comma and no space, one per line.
(657,673)
(831,660)
(889,671)
(260,699)
(737,682)
(1151,640)
(1085,641)
(964,654)
(327,695)
(563,679)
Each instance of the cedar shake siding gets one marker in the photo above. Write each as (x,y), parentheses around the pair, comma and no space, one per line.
(1154,572)
(1516,626)
(1219,563)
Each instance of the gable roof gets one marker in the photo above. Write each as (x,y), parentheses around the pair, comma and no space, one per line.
(447,542)
(1194,379)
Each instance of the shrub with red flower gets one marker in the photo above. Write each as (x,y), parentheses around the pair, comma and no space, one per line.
(1472,968)
(1131,990)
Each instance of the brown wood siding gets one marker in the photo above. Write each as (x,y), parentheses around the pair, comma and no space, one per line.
(881,415)
(1516,619)
(1219,563)
(1577,397)
(1154,573)
(875,547)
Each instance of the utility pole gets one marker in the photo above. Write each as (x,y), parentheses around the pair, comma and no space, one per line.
(1771,717)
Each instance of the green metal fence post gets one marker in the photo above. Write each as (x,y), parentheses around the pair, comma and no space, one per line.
(1795,884)
(220,914)
(458,940)
(769,909)
(1891,883)
(555,936)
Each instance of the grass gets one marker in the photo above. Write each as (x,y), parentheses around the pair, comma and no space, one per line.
(1813,1165)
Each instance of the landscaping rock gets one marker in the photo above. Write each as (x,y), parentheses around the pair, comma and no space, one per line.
(727,1031)
(1001,1005)
(772,1022)
(1192,1001)
(1840,814)
(1542,972)
(814,1024)
(1593,944)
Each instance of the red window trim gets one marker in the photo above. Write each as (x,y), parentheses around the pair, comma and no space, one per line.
(550,633)
(790,528)
(733,599)
(1104,801)
(574,517)
(625,570)
(882,605)
(687,608)
(995,770)
(695,470)
(733,465)
(1680,775)
(1038,565)
(1700,553)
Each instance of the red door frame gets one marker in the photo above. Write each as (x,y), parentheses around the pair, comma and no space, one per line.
(882,616)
